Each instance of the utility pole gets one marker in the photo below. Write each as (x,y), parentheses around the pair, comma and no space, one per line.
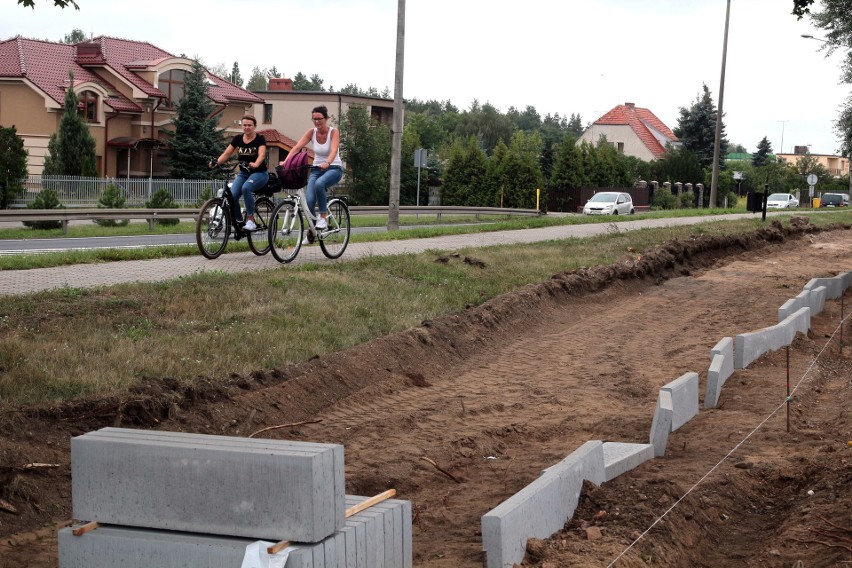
(396,129)
(783,122)
(714,178)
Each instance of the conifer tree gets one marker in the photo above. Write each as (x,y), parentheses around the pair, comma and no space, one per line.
(764,149)
(72,148)
(13,164)
(696,129)
(195,139)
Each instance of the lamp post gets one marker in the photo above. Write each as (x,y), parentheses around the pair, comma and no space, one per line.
(714,177)
(396,127)
(783,123)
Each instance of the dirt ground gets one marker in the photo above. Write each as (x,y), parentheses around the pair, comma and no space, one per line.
(493,394)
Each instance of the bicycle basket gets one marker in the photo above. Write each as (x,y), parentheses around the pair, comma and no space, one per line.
(295,175)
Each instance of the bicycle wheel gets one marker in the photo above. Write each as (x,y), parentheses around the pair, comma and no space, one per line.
(213,227)
(333,240)
(258,240)
(285,231)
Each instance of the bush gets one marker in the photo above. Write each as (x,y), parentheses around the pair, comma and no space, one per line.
(664,199)
(162,199)
(46,199)
(686,200)
(112,198)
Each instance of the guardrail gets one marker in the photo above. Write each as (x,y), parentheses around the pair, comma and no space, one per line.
(152,215)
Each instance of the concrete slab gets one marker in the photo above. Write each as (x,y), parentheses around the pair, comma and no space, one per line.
(620,457)
(254,491)
(834,287)
(684,390)
(721,369)
(661,426)
(541,508)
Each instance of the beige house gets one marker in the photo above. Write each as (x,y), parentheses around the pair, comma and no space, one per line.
(128,93)
(837,166)
(633,131)
(284,110)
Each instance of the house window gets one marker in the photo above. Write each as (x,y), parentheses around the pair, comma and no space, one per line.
(267,113)
(173,84)
(621,147)
(87,106)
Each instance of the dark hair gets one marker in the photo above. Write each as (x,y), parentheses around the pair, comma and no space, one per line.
(322,110)
(249,117)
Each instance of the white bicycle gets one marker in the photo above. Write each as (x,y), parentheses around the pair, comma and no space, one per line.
(291,222)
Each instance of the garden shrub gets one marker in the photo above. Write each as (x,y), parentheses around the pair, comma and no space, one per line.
(162,199)
(46,199)
(112,198)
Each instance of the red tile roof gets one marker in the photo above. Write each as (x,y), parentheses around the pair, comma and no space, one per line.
(46,65)
(650,129)
(274,137)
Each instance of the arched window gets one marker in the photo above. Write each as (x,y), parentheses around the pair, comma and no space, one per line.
(172,83)
(87,106)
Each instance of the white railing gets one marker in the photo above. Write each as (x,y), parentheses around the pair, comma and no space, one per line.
(75,191)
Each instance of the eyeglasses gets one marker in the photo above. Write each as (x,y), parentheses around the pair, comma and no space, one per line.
(315,119)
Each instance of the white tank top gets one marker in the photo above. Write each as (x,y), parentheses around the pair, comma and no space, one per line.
(321,151)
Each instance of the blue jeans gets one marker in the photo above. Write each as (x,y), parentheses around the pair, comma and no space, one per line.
(254,182)
(318,182)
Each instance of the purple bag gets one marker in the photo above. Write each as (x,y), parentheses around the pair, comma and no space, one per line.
(295,174)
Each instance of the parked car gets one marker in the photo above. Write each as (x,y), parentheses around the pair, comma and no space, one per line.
(832,200)
(609,203)
(781,201)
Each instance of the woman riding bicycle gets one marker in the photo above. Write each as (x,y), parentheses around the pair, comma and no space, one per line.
(250,148)
(327,169)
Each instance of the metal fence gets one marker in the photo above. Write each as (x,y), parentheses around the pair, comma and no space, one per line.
(75,191)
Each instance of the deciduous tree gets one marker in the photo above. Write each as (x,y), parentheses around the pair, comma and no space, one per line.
(365,146)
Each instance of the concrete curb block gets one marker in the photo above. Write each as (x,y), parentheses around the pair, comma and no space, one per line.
(379,537)
(620,458)
(262,490)
(813,299)
(750,346)
(541,508)
(721,369)
(661,426)
(684,391)
(834,286)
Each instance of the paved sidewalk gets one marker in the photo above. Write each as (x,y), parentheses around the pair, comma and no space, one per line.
(17,282)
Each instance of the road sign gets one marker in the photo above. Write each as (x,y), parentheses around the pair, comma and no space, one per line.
(812,179)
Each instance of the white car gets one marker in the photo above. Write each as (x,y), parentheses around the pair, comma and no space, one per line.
(609,203)
(781,201)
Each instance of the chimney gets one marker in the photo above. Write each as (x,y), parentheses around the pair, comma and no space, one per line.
(631,106)
(280,84)
(88,52)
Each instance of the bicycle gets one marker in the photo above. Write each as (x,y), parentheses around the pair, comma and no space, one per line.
(287,227)
(215,220)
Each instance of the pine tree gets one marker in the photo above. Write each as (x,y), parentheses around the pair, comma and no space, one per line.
(71,149)
(235,77)
(257,81)
(13,165)
(764,149)
(195,139)
(696,129)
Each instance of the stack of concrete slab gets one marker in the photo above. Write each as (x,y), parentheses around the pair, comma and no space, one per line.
(169,499)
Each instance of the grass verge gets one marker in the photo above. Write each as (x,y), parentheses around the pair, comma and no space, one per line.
(66,343)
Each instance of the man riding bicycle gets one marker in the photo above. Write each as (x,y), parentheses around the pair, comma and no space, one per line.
(250,148)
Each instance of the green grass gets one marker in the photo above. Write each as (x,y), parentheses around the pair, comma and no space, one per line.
(70,342)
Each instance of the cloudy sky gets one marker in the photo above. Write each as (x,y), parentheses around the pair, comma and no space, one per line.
(560,57)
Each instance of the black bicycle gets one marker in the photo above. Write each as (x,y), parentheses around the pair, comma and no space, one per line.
(216,220)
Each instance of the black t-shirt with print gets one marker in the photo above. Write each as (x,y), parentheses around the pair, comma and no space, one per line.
(247,153)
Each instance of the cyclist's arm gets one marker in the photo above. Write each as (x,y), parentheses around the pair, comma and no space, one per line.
(261,158)
(335,144)
(306,137)
(225,155)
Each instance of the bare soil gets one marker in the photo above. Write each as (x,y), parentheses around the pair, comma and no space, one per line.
(493,394)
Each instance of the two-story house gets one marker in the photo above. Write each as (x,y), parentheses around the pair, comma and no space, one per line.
(633,131)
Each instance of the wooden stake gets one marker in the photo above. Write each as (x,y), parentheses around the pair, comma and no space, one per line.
(355,509)
(80,531)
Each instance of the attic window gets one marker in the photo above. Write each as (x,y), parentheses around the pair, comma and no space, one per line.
(87,107)
(173,84)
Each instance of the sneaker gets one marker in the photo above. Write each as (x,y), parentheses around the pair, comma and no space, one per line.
(321,224)
(249,226)
(305,241)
